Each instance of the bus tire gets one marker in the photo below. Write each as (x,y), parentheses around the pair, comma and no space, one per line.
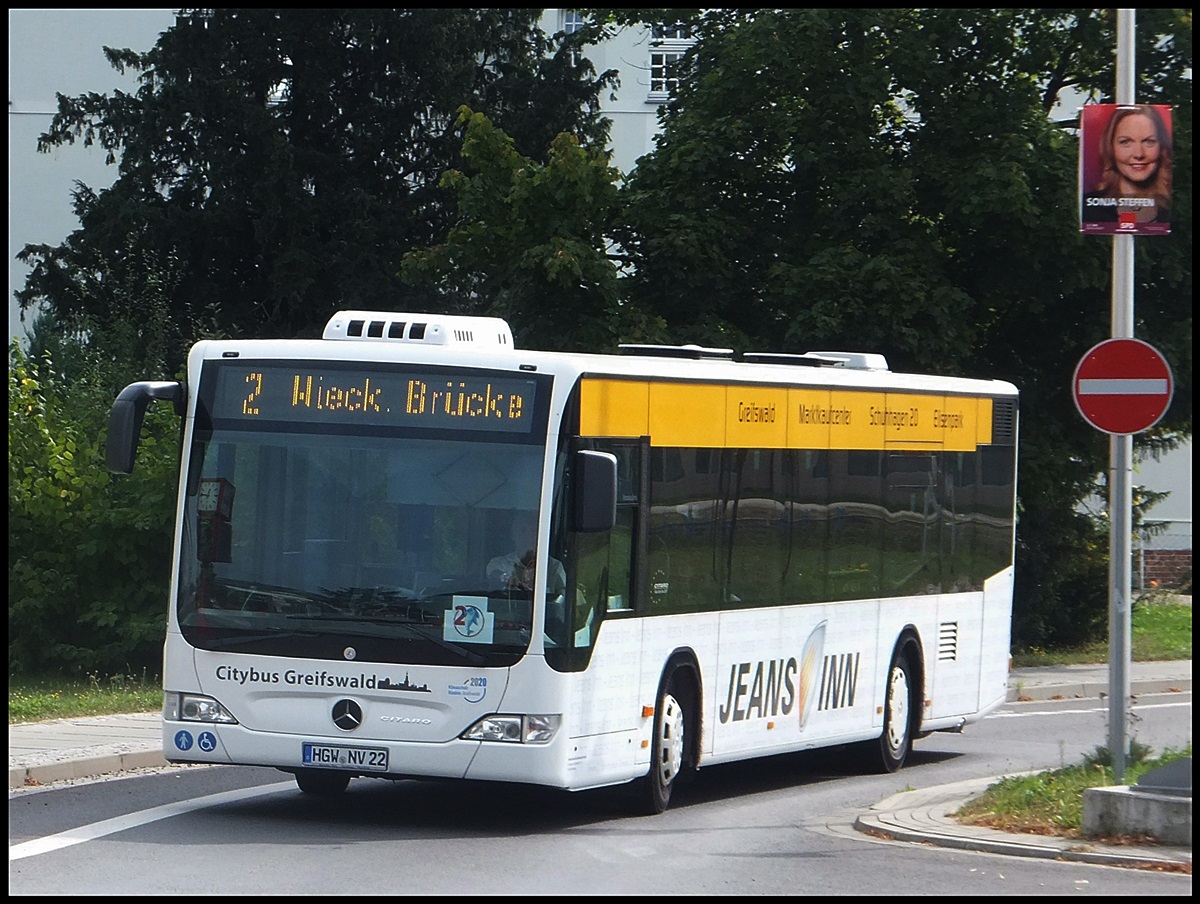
(326,783)
(888,753)
(667,751)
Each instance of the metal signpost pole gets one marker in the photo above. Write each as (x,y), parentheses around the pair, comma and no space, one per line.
(1120,486)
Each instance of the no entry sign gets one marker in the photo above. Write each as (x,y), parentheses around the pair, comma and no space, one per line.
(1122,386)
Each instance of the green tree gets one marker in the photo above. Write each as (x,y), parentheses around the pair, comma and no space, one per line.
(529,245)
(286,159)
(88,556)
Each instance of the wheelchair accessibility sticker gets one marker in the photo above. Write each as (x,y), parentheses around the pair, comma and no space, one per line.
(206,742)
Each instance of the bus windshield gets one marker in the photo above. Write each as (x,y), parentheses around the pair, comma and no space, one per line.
(342,545)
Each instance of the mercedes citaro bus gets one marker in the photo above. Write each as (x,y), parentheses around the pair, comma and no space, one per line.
(762,553)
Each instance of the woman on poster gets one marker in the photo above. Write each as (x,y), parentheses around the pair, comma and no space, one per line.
(1135,170)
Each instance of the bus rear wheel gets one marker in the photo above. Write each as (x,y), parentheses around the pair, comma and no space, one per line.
(323,782)
(666,753)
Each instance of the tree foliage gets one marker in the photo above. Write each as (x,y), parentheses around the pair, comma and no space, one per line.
(529,243)
(88,556)
(286,159)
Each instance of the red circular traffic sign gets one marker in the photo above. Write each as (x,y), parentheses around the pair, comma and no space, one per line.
(1122,386)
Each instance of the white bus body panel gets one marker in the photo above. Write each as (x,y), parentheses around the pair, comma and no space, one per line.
(606,735)
(417,715)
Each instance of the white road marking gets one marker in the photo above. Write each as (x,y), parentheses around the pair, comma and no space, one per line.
(1101,708)
(96,830)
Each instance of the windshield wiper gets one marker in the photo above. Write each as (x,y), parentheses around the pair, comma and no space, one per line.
(226,642)
(351,617)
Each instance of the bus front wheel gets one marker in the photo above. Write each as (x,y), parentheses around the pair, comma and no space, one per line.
(666,752)
(888,753)
(323,782)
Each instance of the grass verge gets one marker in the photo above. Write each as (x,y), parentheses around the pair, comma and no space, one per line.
(1051,803)
(1160,630)
(38,698)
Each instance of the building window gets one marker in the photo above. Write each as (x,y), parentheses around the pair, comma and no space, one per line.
(676,31)
(572,21)
(197,17)
(662,83)
(669,45)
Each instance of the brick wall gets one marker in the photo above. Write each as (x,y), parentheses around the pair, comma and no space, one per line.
(1167,566)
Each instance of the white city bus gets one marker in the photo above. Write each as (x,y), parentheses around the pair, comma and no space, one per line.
(745,557)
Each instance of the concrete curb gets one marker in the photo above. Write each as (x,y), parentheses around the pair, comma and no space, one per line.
(84,767)
(1017,846)
(66,749)
(1091,690)
(924,817)
(1091,687)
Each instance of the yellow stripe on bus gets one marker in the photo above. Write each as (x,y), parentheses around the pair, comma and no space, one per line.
(743,416)
(614,408)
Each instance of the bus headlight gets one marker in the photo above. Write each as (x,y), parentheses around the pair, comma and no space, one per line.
(527,729)
(195,708)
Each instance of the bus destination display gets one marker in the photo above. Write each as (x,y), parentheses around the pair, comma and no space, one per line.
(257,392)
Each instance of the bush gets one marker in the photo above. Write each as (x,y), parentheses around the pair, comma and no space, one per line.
(1060,595)
(89,559)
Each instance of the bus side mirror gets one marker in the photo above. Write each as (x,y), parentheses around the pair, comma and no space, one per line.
(595,507)
(126,416)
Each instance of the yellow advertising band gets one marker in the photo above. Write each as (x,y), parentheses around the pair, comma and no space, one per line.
(704,415)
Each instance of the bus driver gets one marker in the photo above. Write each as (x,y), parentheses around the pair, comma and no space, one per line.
(514,569)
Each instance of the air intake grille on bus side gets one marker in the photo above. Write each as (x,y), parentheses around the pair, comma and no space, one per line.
(1004,422)
(948,641)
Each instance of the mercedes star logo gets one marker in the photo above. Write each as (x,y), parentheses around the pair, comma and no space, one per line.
(347,715)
